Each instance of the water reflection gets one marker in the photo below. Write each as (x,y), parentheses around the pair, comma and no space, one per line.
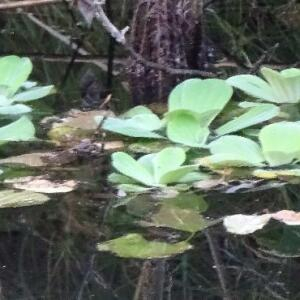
(49,251)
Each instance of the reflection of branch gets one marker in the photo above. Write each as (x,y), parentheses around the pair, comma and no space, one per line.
(218,264)
(26,3)
(65,39)
(119,36)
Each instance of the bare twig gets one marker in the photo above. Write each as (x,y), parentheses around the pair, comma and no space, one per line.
(119,36)
(26,3)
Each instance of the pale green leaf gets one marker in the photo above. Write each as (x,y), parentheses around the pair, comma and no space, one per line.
(20,130)
(280,142)
(128,166)
(286,88)
(234,150)
(34,93)
(135,246)
(184,128)
(201,96)
(255,115)
(137,110)
(177,175)
(14,71)
(15,109)
(133,128)
(167,160)
(119,179)
(253,86)
(11,198)
(133,188)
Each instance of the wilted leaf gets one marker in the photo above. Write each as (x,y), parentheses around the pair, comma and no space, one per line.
(209,184)
(245,224)
(41,185)
(11,198)
(135,246)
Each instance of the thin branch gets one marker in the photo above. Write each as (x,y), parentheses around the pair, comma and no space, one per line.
(64,39)
(119,36)
(26,3)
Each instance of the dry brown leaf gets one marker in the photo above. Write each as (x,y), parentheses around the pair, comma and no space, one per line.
(40,184)
(83,120)
(38,159)
(209,184)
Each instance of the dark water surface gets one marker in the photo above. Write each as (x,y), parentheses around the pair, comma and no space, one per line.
(49,251)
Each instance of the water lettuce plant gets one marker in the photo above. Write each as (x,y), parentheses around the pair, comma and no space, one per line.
(278,87)
(155,170)
(15,89)
(279,146)
(192,107)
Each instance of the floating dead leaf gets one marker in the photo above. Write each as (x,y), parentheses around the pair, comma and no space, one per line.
(209,184)
(288,217)
(84,120)
(40,184)
(245,224)
(135,246)
(38,159)
(11,198)
(274,174)
(109,146)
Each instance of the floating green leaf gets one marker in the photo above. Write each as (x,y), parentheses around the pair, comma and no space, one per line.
(156,170)
(255,115)
(281,87)
(234,150)
(11,198)
(20,130)
(34,94)
(184,128)
(14,71)
(201,96)
(135,246)
(280,142)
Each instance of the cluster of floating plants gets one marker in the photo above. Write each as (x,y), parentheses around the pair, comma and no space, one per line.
(261,135)
(15,92)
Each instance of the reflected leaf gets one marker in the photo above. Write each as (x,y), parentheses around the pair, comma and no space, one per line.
(135,246)
(179,219)
(11,198)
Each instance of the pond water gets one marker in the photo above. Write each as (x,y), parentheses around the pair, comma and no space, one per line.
(49,251)
(52,251)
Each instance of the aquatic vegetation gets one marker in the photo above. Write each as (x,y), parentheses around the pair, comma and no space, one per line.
(15,89)
(279,87)
(155,170)
(192,107)
(279,146)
